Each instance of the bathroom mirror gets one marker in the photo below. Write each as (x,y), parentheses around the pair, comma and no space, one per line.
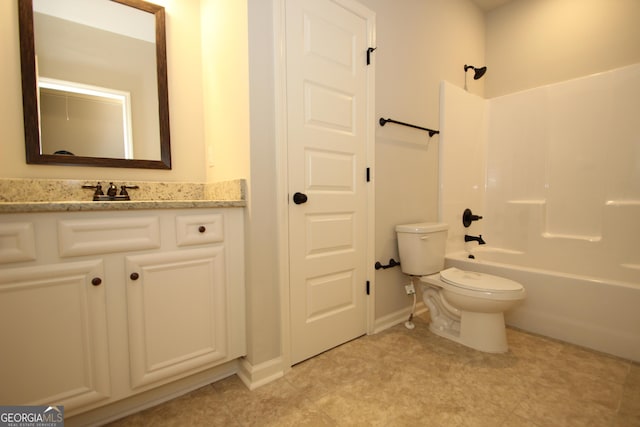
(94,83)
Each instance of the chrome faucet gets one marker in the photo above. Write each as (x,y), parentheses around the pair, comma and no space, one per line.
(478,239)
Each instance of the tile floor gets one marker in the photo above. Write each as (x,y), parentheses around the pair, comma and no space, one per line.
(414,378)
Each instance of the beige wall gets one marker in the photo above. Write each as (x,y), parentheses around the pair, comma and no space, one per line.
(531,43)
(420,43)
(225,62)
(263,282)
(203,111)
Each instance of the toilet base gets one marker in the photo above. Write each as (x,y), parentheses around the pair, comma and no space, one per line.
(479,330)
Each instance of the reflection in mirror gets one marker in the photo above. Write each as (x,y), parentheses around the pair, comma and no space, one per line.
(94,83)
(72,113)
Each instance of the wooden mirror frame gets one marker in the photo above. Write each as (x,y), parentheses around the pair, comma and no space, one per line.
(30,96)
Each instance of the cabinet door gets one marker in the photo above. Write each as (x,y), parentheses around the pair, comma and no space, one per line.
(176,303)
(53,331)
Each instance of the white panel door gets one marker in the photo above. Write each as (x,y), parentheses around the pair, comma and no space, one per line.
(327,145)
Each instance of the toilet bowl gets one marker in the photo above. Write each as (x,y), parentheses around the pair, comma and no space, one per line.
(468,307)
(465,306)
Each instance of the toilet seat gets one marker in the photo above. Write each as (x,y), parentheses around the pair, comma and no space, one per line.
(470,280)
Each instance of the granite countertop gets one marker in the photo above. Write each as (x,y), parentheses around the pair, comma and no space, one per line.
(76,206)
(23,196)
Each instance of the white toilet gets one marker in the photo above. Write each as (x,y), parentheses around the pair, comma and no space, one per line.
(465,306)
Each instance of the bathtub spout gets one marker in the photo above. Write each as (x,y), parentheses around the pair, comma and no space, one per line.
(478,239)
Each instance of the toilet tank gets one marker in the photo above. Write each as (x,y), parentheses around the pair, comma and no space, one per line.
(421,247)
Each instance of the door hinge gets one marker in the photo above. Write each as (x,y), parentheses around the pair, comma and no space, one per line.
(368,174)
(369,50)
(368,288)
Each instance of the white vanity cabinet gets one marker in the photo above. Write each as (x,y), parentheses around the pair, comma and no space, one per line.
(53,335)
(99,306)
(176,310)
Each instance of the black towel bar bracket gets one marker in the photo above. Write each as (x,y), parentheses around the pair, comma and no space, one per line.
(392,263)
(432,132)
(369,51)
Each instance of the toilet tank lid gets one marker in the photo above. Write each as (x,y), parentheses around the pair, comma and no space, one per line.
(422,227)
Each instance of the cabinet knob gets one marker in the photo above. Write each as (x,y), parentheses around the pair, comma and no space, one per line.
(202,229)
(134,276)
(96,281)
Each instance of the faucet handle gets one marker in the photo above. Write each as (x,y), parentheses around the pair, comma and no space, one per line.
(468,217)
(97,187)
(123,189)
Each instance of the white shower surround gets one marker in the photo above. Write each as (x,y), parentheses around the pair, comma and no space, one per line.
(555,171)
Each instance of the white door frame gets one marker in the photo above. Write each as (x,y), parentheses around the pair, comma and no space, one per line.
(282,179)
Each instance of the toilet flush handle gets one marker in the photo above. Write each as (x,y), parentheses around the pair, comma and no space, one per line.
(424,238)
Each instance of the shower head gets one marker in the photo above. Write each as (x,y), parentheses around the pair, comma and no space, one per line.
(478,72)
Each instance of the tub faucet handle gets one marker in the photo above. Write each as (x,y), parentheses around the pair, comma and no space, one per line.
(468,217)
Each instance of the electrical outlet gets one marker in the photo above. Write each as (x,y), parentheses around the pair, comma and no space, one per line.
(410,289)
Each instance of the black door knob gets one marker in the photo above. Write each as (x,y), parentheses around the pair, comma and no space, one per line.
(299,198)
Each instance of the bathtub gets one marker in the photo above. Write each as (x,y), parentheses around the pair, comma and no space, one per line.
(600,314)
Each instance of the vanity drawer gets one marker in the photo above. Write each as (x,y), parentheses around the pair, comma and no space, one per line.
(17,242)
(80,237)
(199,229)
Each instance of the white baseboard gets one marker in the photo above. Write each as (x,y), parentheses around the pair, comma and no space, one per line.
(400,316)
(260,374)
